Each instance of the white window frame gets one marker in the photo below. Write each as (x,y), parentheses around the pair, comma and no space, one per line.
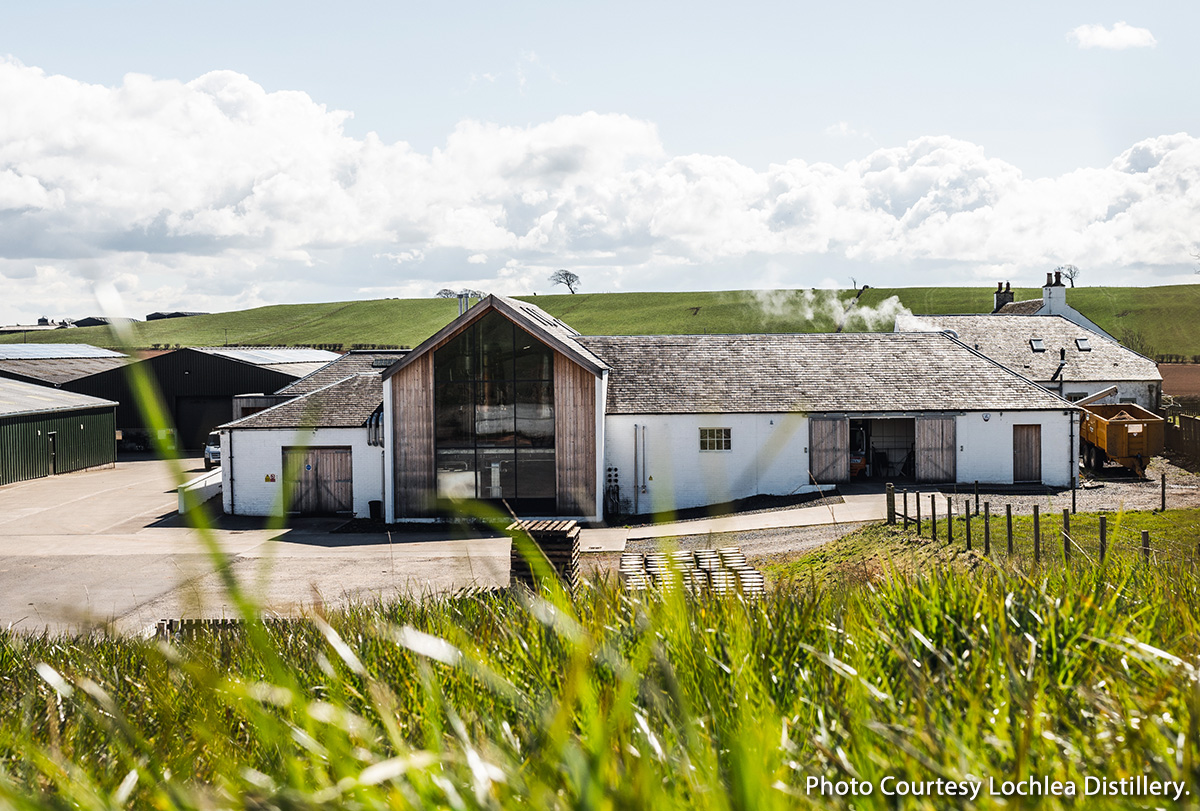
(716,440)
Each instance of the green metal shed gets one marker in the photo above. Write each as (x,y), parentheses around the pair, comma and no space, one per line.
(44,431)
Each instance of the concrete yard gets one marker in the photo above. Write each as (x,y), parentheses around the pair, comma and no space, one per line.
(105,546)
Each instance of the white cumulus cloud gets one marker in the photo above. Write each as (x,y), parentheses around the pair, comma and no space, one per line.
(215,194)
(1121,36)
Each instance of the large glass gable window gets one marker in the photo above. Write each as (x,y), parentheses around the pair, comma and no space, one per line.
(494,416)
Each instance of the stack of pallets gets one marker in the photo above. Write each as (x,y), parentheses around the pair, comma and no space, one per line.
(713,571)
(559,542)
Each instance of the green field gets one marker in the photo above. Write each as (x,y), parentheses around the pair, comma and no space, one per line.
(1163,316)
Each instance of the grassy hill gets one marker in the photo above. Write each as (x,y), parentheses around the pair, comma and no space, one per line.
(1162,316)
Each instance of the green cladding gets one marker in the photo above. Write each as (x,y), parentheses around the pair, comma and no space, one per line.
(35,445)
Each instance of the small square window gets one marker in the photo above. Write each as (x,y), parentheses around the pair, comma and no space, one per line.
(715,439)
(1082,345)
(1037,344)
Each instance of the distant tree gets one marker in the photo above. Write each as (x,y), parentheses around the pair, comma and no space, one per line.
(446,292)
(566,277)
(1137,341)
(1069,272)
(469,293)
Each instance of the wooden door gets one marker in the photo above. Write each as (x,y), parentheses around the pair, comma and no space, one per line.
(936,444)
(320,480)
(829,449)
(1027,453)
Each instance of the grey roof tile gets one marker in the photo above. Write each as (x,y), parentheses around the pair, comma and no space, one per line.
(860,372)
(347,403)
(1030,306)
(358,361)
(1005,339)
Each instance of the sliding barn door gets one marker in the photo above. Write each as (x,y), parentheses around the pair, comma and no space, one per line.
(829,449)
(936,444)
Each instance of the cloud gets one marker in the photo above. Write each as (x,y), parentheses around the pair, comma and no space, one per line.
(1118,38)
(215,194)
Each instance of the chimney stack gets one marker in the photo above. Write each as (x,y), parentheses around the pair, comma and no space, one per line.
(1049,279)
(1058,278)
(1002,296)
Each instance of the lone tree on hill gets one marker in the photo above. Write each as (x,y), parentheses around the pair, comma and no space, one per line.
(566,277)
(1069,272)
(446,292)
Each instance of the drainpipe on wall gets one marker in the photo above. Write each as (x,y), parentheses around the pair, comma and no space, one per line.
(637,481)
(232,505)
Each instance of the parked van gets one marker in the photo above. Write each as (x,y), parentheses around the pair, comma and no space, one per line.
(212,450)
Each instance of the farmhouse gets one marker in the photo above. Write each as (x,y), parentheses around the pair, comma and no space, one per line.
(1052,302)
(45,431)
(509,403)
(1062,356)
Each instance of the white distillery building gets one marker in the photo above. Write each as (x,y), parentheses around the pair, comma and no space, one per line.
(317,454)
(507,403)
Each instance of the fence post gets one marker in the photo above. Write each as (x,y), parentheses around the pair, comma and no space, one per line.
(977,496)
(949,520)
(1037,534)
(1072,492)
(1103,536)
(1146,545)
(906,509)
(1066,531)
(933,517)
(967,513)
(1164,492)
(891,504)
(987,528)
(918,500)
(1008,516)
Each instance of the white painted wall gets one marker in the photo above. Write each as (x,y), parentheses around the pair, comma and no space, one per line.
(1143,392)
(249,457)
(985,447)
(769,456)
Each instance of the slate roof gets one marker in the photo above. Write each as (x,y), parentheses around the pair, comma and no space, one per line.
(347,403)
(18,398)
(821,373)
(530,317)
(358,361)
(1027,307)
(56,371)
(1005,339)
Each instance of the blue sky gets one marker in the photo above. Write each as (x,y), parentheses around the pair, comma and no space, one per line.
(220,155)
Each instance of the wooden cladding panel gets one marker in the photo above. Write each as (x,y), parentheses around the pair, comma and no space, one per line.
(574,437)
(1027,453)
(936,442)
(829,449)
(412,432)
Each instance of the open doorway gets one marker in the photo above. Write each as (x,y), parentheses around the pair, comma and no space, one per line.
(883,448)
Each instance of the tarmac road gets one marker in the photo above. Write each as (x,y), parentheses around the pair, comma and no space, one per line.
(105,547)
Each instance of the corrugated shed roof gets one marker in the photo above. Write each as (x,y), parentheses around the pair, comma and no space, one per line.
(347,403)
(1005,339)
(1030,306)
(849,372)
(359,361)
(269,357)
(40,351)
(18,398)
(55,371)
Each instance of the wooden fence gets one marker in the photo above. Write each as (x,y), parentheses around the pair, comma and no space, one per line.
(1051,535)
(1183,435)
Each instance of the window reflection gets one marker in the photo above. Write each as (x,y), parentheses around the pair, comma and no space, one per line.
(494,416)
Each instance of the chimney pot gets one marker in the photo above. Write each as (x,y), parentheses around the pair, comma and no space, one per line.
(1049,279)
(999,287)
(1007,287)
(1058,278)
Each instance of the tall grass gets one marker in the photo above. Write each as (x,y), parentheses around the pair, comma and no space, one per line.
(611,701)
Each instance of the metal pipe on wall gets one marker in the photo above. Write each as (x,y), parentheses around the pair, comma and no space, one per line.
(636,475)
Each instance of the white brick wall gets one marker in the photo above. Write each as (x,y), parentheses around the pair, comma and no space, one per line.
(250,457)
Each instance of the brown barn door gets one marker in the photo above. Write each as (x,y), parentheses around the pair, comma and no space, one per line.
(1027,453)
(829,449)
(936,444)
(319,479)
